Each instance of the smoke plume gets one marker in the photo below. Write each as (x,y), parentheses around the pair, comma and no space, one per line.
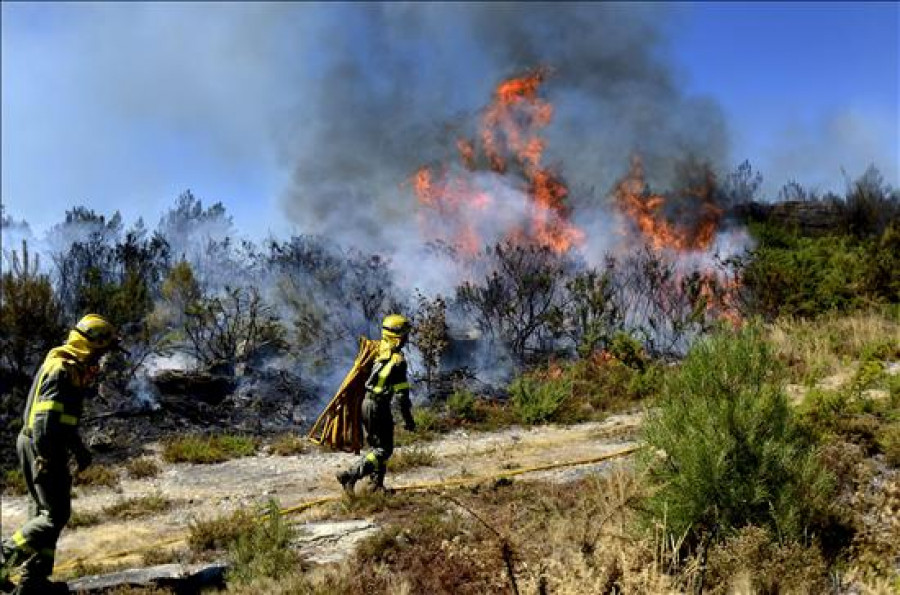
(399,84)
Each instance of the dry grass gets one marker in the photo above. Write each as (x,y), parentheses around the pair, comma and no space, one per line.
(97,476)
(818,348)
(142,468)
(81,519)
(141,591)
(155,557)
(411,457)
(467,540)
(889,443)
(751,558)
(288,445)
(126,509)
(137,507)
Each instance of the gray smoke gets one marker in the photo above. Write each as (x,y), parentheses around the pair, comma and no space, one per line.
(400,83)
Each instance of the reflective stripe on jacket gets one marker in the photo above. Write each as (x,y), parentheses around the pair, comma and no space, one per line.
(54,406)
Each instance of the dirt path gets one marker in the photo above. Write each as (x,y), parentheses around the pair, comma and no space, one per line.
(207,491)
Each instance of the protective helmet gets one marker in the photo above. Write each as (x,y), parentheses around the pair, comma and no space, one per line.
(99,332)
(395,326)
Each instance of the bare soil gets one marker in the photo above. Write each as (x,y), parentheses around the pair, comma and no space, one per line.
(208,491)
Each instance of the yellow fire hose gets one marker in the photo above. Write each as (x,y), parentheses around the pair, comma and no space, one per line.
(421,487)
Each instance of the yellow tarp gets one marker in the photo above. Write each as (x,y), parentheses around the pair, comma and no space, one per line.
(340,424)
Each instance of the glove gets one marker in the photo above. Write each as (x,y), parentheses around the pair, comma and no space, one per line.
(83,458)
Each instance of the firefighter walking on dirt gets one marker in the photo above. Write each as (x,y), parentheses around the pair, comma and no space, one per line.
(388,379)
(49,436)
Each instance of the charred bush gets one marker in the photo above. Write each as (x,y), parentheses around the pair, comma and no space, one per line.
(231,328)
(517,299)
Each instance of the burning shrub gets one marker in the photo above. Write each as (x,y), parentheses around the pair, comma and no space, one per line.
(731,452)
(333,295)
(592,314)
(663,303)
(517,299)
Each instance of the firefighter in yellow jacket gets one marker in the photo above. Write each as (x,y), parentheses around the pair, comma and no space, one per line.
(387,380)
(49,435)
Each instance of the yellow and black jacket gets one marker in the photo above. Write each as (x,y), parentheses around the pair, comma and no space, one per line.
(56,401)
(389,379)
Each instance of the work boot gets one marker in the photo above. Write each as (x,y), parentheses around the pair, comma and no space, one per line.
(6,585)
(377,480)
(348,481)
(40,586)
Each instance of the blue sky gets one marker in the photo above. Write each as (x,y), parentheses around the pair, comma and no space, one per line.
(123,106)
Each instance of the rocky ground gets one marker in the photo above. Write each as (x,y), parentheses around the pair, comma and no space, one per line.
(208,491)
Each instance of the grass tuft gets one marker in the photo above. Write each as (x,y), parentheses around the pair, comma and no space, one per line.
(208,449)
(288,445)
(411,457)
(138,507)
(219,533)
(14,483)
(97,476)
(142,468)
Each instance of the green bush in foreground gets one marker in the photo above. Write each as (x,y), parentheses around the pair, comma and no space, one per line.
(728,451)
(208,449)
(264,550)
(539,400)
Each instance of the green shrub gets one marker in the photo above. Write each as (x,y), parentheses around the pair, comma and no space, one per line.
(219,533)
(728,450)
(627,350)
(537,400)
(426,419)
(823,410)
(889,443)
(208,449)
(263,550)
(461,405)
(788,274)
(14,483)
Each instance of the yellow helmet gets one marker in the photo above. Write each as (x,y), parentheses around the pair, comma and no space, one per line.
(395,326)
(99,332)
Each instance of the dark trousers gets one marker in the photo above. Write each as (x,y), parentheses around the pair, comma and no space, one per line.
(49,488)
(378,423)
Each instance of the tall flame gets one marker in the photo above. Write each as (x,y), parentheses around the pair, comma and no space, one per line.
(647,212)
(509,145)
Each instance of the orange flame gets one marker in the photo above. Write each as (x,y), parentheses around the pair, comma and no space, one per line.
(646,211)
(509,141)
